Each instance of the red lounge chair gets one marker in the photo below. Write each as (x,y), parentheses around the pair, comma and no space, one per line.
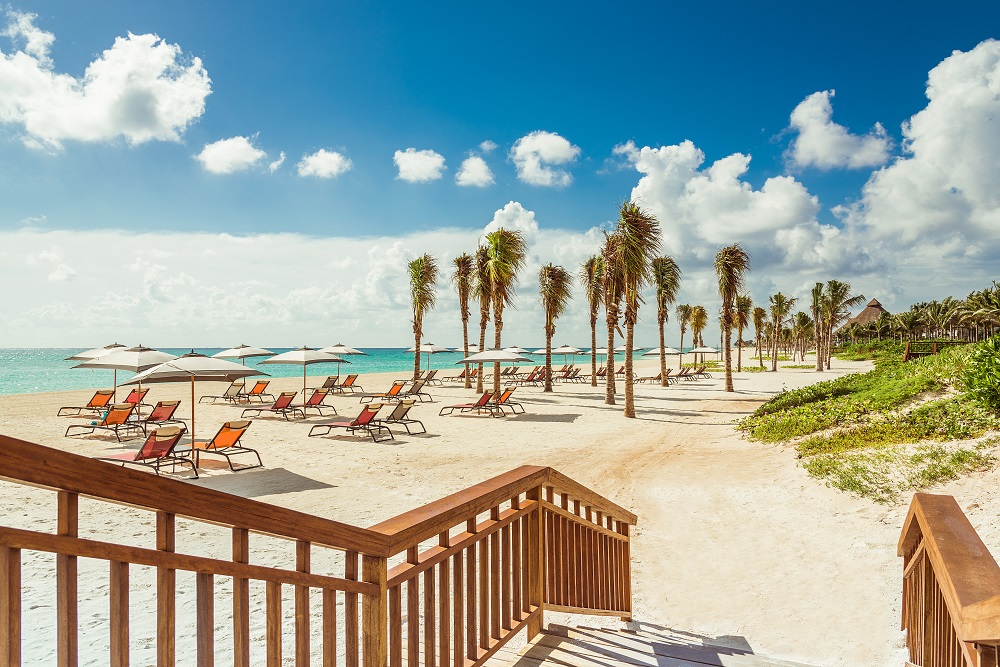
(388,395)
(315,402)
(398,416)
(530,378)
(157,451)
(100,401)
(456,378)
(116,421)
(162,415)
(135,397)
(283,406)
(225,443)
(365,421)
(483,404)
(505,402)
(257,392)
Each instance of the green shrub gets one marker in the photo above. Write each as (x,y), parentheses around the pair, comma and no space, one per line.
(982,373)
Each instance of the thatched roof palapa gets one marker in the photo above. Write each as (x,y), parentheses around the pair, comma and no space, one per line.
(872,312)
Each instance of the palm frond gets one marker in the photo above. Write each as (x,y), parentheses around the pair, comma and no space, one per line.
(555,288)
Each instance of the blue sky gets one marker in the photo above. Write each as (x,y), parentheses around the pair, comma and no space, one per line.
(367,80)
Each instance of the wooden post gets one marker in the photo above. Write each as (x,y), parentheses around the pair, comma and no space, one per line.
(166,590)
(205,618)
(536,566)
(66,584)
(374,612)
(241,600)
(10,606)
(302,564)
(118,593)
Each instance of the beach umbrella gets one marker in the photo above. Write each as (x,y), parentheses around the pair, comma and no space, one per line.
(242,352)
(304,356)
(622,348)
(135,359)
(492,356)
(191,367)
(655,352)
(342,350)
(703,350)
(431,348)
(564,350)
(516,350)
(96,352)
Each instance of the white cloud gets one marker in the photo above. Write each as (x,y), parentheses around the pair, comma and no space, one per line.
(534,153)
(142,89)
(324,164)
(419,166)
(62,273)
(824,144)
(227,156)
(488,146)
(515,217)
(474,172)
(276,164)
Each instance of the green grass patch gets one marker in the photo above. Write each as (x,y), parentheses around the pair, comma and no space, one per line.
(810,366)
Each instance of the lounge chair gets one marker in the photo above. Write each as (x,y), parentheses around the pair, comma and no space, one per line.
(99,402)
(162,415)
(399,416)
(282,406)
(226,443)
(456,378)
(135,397)
(156,452)
(257,392)
(116,420)
(386,395)
(432,378)
(231,394)
(315,402)
(348,385)
(530,378)
(650,378)
(416,391)
(702,373)
(330,382)
(505,402)
(365,421)
(483,404)
(683,374)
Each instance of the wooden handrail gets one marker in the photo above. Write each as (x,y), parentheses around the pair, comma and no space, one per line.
(951,586)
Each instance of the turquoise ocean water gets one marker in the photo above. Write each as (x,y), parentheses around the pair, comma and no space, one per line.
(32,370)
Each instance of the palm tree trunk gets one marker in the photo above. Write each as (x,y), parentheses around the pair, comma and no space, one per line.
(629,386)
(593,354)
(739,352)
(482,346)
(680,357)
(465,349)
(497,329)
(663,355)
(548,358)
(416,347)
(609,377)
(774,353)
(727,337)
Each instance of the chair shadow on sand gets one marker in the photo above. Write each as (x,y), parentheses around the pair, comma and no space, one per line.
(262,482)
(567,418)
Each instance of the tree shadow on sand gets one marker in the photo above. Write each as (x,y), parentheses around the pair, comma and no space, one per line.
(262,482)
(567,418)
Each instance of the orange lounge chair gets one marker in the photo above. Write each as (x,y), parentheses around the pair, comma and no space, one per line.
(282,406)
(483,404)
(350,384)
(116,420)
(460,376)
(157,451)
(231,394)
(100,401)
(365,421)
(225,443)
(315,402)
(162,415)
(257,392)
(530,378)
(388,395)
(505,402)
(398,416)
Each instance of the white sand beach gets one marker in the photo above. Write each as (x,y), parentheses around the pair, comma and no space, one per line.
(733,539)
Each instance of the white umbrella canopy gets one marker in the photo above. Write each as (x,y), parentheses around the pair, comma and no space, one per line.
(341,350)
(242,352)
(191,367)
(431,348)
(564,350)
(305,356)
(492,356)
(655,352)
(622,348)
(705,349)
(96,352)
(135,359)
(516,350)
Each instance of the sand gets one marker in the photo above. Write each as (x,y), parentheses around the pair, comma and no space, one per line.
(734,539)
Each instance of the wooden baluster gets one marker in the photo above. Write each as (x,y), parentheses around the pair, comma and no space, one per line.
(444,602)
(118,593)
(374,612)
(66,583)
(205,618)
(471,650)
(588,560)
(578,585)
(396,626)
(566,556)
(329,628)
(505,577)
(241,600)
(10,606)
(412,612)
(458,610)
(272,604)
(484,594)
(495,577)
(302,564)
(536,563)
(429,618)
(351,637)
(166,595)
(626,573)
(599,563)
(517,527)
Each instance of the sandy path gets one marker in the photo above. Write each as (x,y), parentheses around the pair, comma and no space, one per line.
(734,539)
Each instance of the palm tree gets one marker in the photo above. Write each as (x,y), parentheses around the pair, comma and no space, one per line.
(666,281)
(423,275)
(554,287)
(483,290)
(683,312)
(817,312)
(638,241)
(613,288)
(837,302)
(505,250)
(803,326)
(781,305)
(698,321)
(744,305)
(592,278)
(907,323)
(463,281)
(759,322)
(731,265)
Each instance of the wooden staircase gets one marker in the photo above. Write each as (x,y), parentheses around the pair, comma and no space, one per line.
(646,646)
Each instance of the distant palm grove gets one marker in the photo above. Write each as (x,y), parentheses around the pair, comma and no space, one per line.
(629,262)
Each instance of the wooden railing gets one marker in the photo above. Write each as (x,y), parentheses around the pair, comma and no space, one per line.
(444,585)
(926,348)
(951,587)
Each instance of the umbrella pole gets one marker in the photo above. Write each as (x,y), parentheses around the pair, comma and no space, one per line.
(114,396)
(192,414)
(303,385)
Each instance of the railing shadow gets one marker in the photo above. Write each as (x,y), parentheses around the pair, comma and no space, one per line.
(262,482)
